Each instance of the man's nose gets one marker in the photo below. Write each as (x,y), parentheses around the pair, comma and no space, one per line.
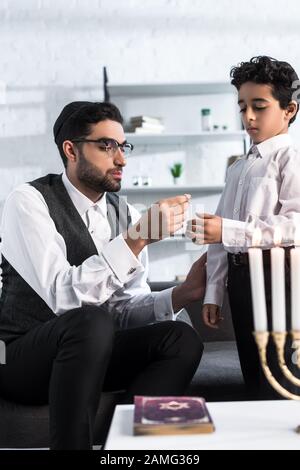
(119,157)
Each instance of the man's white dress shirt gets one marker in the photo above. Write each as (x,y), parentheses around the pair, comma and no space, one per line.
(114,277)
(262,190)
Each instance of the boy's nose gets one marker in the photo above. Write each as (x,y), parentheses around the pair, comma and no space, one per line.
(250,115)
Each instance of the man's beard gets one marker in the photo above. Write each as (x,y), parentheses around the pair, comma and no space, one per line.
(95,179)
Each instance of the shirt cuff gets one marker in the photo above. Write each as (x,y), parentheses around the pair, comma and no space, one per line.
(163,307)
(233,233)
(214,294)
(121,260)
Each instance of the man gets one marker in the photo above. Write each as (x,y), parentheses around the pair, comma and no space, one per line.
(76,312)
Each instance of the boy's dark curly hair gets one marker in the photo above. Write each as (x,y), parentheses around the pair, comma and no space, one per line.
(266,70)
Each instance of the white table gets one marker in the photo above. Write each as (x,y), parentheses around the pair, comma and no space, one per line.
(239,425)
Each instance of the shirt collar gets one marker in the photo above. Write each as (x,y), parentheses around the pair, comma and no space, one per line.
(80,201)
(271,145)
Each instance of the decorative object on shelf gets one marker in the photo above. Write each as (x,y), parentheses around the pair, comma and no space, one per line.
(224,127)
(206,119)
(145,125)
(279,334)
(137,181)
(216,127)
(146,181)
(176,171)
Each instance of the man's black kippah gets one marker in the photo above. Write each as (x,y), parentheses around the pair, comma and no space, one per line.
(68,111)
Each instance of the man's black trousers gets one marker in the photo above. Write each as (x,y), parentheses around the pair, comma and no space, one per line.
(68,361)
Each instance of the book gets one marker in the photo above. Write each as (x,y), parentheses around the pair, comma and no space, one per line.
(142,130)
(147,125)
(148,119)
(171,415)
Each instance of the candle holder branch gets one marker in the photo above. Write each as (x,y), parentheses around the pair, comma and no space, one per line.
(279,339)
(262,339)
(296,345)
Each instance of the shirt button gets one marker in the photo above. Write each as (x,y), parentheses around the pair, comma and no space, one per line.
(235,210)
(241,182)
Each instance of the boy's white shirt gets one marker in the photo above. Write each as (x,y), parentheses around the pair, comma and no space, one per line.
(262,190)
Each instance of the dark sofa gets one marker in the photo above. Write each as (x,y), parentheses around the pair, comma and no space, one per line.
(218,378)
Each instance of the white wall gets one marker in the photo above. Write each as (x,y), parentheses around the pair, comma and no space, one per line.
(54,50)
(57,42)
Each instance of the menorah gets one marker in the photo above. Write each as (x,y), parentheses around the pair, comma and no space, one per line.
(279,338)
(279,333)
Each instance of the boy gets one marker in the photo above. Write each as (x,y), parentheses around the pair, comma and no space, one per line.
(262,187)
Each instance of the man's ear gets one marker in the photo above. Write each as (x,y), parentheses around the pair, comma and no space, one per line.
(70,150)
(291,109)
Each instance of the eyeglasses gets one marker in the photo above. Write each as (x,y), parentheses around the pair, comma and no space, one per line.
(110,146)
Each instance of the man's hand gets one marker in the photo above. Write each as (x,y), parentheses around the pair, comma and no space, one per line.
(193,287)
(162,220)
(211,315)
(205,229)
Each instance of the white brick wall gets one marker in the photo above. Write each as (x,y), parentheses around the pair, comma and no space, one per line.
(55,50)
(46,42)
(57,44)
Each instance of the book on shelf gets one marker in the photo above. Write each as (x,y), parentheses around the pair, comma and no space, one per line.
(142,126)
(171,415)
(145,119)
(150,130)
(146,125)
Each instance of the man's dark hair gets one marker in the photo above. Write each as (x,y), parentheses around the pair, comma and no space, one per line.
(76,119)
(266,70)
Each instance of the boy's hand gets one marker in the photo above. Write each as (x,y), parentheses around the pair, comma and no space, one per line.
(211,315)
(160,221)
(205,229)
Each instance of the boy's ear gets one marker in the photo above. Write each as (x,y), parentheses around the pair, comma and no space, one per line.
(291,109)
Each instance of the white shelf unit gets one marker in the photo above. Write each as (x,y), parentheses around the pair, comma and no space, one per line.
(151,100)
(168,191)
(181,138)
(135,90)
(172,189)
(120,93)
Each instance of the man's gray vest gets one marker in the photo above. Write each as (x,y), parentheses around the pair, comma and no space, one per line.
(21,308)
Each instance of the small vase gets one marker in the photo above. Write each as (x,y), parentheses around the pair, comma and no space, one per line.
(176,180)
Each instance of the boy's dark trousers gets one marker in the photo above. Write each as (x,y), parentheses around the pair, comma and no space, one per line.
(240,298)
(68,361)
